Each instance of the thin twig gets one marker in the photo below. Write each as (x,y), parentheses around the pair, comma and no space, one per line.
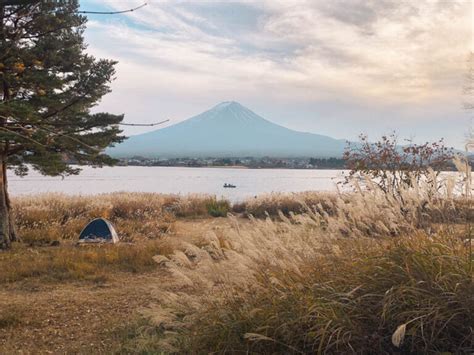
(143,124)
(112,12)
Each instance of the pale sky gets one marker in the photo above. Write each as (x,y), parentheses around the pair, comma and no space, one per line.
(330,67)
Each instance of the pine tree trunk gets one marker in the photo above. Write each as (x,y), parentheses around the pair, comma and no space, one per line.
(7,229)
(11,220)
(7,234)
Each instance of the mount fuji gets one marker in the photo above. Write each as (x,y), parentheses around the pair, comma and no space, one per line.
(227,130)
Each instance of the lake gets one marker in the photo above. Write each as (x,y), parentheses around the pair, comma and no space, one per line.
(179,180)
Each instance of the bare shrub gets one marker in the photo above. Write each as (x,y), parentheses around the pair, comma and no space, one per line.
(391,166)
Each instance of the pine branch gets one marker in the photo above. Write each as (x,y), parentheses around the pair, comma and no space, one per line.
(23,136)
(48,131)
(65,124)
(71,138)
(63,135)
(18,2)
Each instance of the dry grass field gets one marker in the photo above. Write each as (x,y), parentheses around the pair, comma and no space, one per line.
(363,272)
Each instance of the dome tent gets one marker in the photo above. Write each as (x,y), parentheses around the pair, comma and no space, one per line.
(98,230)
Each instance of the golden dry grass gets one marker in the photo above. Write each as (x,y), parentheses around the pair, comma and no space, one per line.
(49,226)
(69,262)
(48,217)
(376,275)
(348,299)
(365,272)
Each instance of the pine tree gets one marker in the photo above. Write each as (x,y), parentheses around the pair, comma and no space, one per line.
(48,86)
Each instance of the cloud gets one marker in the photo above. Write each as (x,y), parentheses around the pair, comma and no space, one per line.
(389,55)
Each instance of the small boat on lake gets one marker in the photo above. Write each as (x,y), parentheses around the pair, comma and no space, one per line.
(229,186)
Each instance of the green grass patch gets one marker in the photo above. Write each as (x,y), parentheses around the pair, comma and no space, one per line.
(218,208)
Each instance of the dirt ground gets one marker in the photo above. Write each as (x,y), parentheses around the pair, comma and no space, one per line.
(82,317)
(71,318)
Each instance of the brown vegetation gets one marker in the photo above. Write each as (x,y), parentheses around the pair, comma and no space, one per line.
(71,263)
(375,276)
(392,166)
(364,271)
(351,298)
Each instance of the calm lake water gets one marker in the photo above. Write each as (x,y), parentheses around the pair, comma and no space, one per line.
(173,180)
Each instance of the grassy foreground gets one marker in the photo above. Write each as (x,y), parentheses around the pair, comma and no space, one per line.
(410,296)
(308,273)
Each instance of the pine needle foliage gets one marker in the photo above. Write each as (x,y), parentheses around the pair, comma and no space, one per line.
(48,88)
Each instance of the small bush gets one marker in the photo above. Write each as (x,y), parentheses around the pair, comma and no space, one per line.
(218,208)
(138,337)
(194,206)
(11,316)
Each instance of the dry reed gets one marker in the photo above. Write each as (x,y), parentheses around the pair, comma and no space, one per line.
(319,282)
(365,272)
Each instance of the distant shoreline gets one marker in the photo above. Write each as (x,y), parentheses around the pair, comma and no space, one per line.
(301,163)
(240,167)
(221,167)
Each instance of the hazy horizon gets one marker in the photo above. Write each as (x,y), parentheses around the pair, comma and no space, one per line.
(330,68)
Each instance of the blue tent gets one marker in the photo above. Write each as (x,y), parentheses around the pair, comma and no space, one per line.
(98,230)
